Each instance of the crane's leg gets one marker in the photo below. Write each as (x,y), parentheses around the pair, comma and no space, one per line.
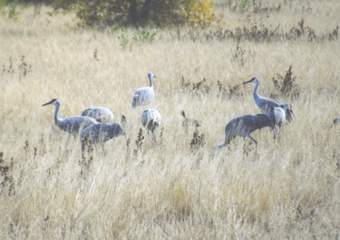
(227,140)
(276,132)
(102,149)
(154,139)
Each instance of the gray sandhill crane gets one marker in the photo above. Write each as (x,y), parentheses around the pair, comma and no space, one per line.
(101,114)
(267,104)
(151,119)
(98,133)
(243,126)
(144,95)
(102,132)
(69,124)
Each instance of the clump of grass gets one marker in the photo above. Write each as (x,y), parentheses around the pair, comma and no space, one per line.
(6,180)
(195,88)
(286,84)
(139,142)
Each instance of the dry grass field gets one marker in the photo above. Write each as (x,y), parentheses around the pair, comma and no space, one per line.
(287,188)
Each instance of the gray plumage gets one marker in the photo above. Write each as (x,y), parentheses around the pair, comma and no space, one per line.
(101,114)
(151,119)
(69,124)
(267,105)
(243,126)
(144,95)
(102,132)
(279,115)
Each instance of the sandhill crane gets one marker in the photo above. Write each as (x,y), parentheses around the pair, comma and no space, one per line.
(243,126)
(102,132)
(69,124)
(144,95)
(151,119)
(189,122)
(97,134)
(267,104)
(101,114)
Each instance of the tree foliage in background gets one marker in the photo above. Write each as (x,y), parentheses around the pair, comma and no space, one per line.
(145,12)
(104,13)
(8,8)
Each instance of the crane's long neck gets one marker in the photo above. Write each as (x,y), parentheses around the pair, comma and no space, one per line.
(255,93)
(57,119)
(150,81)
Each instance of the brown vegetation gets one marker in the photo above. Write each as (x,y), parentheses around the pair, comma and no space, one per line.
(285,188)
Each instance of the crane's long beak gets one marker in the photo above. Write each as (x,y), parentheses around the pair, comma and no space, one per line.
(48,103)
(248,81)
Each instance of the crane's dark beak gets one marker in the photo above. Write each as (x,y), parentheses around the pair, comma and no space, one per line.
(48,103)
(249,81)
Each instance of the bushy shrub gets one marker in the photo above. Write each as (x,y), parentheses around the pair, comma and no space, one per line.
(200,13)
(105,13)
(145,12)
(8,8)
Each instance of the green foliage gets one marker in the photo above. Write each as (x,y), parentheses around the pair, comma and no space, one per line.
(105,13)
(144,36)
(244,4)
(123,39)
(126,40)
(9,8)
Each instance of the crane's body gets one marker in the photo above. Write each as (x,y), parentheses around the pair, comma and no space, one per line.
(267,105)
(100,114)
(279,115)
(243,126)
(71,124)
(151,119)
(100,133)
(145,95)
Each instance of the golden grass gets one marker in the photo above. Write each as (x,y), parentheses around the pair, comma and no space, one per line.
(288,188)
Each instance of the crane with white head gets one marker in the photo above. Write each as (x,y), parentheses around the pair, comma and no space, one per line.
(71,124)
(101,114)
(144,95)
(268,104)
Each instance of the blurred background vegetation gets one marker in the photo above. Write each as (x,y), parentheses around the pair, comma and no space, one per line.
(106,13)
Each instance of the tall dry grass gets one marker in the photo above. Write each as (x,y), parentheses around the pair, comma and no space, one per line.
(288,188)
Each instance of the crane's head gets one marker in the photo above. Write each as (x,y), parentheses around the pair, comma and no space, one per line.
(116,130)
(253,79)
(54,101)
(151,75)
